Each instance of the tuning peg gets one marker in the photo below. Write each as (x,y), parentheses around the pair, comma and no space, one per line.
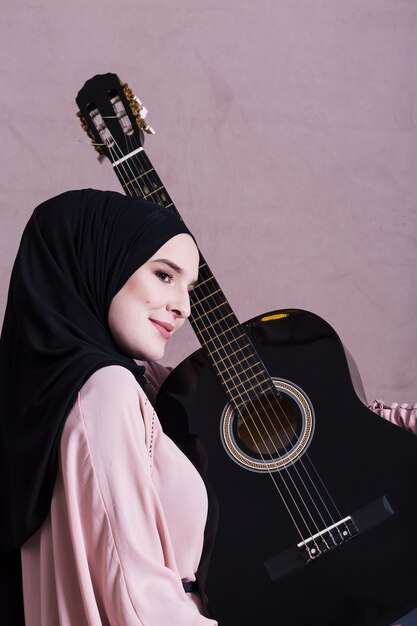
(148,129)
(143,112)
(137,108)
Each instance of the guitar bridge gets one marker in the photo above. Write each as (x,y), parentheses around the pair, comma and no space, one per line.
(328,539)
(332,537)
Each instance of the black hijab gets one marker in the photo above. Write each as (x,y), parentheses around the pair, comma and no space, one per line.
(76,252)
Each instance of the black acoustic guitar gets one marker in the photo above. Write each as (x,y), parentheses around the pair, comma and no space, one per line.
(317,495)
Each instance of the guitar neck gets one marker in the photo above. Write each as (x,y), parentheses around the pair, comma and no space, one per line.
(222,337)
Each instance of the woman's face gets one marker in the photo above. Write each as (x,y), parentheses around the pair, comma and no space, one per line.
(154,301)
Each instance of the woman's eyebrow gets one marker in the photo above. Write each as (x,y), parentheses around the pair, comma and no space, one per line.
(176,268)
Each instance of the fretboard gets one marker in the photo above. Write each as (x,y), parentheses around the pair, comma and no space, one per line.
(224,340)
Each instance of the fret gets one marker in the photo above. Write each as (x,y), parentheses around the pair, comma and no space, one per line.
(249,398)
(221,360)
(202,282)
(241,372)
(230,353)
(169,205)
(244,395)
(246,380)
(132,180)
(144,166)
(206,328)
(224,345)
(132,183)
(246,385)
(147,172)
(207,313)
(200,300)
(152,192)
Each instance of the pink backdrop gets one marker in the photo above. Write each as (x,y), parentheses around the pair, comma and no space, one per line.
(286,135)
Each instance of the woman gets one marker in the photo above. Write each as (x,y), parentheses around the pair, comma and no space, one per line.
(109,512)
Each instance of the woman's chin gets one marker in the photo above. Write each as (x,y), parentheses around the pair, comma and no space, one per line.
(151,354)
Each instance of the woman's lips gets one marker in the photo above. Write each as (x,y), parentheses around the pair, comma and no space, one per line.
(165,328)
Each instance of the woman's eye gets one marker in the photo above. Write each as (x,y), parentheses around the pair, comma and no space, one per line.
(164,276)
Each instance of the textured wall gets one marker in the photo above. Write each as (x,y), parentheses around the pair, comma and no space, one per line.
(286,134)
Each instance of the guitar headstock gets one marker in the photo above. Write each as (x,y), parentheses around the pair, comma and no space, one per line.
(112,116)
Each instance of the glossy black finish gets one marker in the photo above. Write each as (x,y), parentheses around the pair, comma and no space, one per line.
(369,581)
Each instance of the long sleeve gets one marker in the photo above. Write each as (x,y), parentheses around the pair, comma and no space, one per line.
(127,516)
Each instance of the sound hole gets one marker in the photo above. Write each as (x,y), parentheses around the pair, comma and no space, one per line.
(268,426)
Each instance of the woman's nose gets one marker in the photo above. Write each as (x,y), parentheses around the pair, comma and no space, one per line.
(180,304)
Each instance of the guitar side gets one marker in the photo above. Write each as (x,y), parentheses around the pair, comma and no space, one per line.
(256,575)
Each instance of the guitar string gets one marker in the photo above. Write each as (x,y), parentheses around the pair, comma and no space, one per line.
(248,401)
(260,454)
(156,186)
(301,462)
(153,187)
(289,470)
(148,167)
(150,186)
(142,191)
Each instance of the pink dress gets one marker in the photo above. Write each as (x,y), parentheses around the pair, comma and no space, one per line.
(127,518)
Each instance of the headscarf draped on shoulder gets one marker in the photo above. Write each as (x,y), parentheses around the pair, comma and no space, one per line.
(76,252)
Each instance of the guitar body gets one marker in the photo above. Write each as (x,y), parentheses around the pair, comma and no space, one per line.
(369,466)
